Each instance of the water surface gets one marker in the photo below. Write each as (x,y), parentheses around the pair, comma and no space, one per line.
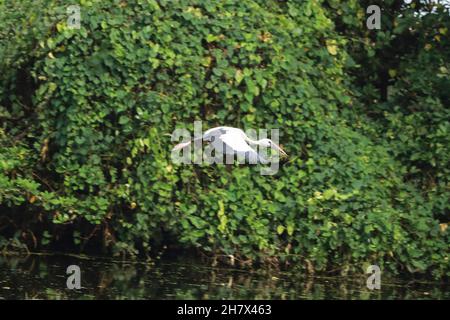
(44,277)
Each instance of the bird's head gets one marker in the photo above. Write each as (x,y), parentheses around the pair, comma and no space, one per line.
(267,143)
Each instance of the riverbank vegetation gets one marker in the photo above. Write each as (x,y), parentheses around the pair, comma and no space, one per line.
(86,116)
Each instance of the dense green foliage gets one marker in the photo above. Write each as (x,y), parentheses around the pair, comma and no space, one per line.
(85,113)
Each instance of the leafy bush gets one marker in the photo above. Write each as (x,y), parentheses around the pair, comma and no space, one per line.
(85,158)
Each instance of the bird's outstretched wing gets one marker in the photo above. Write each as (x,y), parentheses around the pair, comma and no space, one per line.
(232,143)
(208,136)
(216,132)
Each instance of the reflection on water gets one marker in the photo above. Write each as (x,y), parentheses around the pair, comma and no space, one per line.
(44,277)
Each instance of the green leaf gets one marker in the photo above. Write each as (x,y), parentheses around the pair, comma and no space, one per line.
(280,229)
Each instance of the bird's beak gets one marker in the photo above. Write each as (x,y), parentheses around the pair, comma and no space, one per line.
(278,148)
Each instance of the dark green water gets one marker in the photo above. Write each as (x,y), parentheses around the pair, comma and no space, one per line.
(44,277)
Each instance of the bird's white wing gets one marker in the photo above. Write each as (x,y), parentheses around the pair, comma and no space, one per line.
(235,142)
(214,133)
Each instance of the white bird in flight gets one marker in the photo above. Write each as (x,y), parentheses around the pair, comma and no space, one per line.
(229,140)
